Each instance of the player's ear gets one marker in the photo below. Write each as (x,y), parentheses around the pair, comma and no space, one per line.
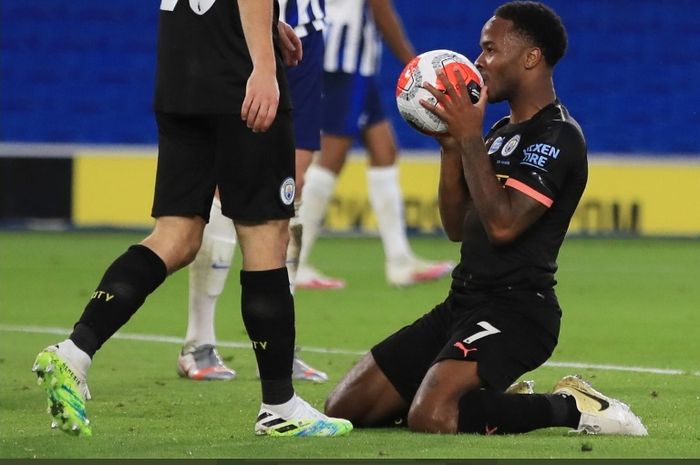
(533,56)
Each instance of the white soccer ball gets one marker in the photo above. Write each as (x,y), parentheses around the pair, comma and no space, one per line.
(423,68)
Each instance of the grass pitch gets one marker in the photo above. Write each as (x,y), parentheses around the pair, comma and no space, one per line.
(631,321)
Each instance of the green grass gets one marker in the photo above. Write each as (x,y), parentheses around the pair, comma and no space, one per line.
(631,303)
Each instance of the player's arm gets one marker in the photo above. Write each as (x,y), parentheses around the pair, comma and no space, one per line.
(504,213)
(262,92)
(290,44)
(453,193)
(390,26)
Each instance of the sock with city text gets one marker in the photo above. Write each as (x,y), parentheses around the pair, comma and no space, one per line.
(123,289)
(268,314)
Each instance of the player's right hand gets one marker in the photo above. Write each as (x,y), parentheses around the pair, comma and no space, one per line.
(262,96)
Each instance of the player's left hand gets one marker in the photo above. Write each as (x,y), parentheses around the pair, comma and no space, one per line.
(262,95)
(290,44)
(463,118)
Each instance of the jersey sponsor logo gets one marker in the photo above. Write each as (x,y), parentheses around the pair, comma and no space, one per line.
(495,147)
(463,348)
(539,155)
(510,145)
(287,191)
(198,6)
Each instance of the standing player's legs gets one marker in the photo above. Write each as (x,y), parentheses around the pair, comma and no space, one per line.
(402,267)
(257,190)
(199,358)
(184,188)
(306,83)
(343,98)
(352,108)
(320,184)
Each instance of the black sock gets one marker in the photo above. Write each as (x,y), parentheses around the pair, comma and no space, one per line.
(268,314)
(123,289)
(492,412)
(564,410)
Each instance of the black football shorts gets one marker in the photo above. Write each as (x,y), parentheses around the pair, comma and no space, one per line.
(507,333)
(254,171)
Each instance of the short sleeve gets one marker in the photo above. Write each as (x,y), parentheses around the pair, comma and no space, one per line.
(545,161)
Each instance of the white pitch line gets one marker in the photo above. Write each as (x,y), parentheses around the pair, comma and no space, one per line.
(322,350)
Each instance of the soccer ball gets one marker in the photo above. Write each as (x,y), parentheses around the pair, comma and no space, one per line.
(423,68)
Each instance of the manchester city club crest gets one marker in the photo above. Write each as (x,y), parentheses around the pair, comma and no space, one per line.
(287,191)
(511,145)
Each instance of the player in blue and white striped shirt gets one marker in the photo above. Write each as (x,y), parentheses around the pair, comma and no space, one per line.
(305,16)
(352,108)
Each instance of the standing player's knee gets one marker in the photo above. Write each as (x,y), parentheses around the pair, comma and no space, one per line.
(175,244)
(189,253)
(263,245)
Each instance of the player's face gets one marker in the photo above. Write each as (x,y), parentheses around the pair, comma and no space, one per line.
(501,58)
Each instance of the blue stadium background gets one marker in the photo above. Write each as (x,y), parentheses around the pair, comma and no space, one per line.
(82,71)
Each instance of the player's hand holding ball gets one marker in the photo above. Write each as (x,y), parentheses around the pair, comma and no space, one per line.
(441,91)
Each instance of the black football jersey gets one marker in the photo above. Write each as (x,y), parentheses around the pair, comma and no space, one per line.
(544,158)
(203,60)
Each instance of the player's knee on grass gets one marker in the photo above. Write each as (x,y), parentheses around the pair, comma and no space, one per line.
(366,397)
(431,418)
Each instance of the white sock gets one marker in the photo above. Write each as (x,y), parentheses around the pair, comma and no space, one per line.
(208,273)
(283,410)
(296,231)
(387,203)
(77,359)
(296,407)
(319,186)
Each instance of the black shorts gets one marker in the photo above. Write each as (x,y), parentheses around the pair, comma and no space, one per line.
(254,171)
(506,333)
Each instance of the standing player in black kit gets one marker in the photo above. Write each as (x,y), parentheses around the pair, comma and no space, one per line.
(223,115)
(509,198)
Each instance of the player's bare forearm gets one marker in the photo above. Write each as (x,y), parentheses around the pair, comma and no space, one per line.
(262,91)
(453,194)
(256,19)
(490,200)
(504,213)
(390,26)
